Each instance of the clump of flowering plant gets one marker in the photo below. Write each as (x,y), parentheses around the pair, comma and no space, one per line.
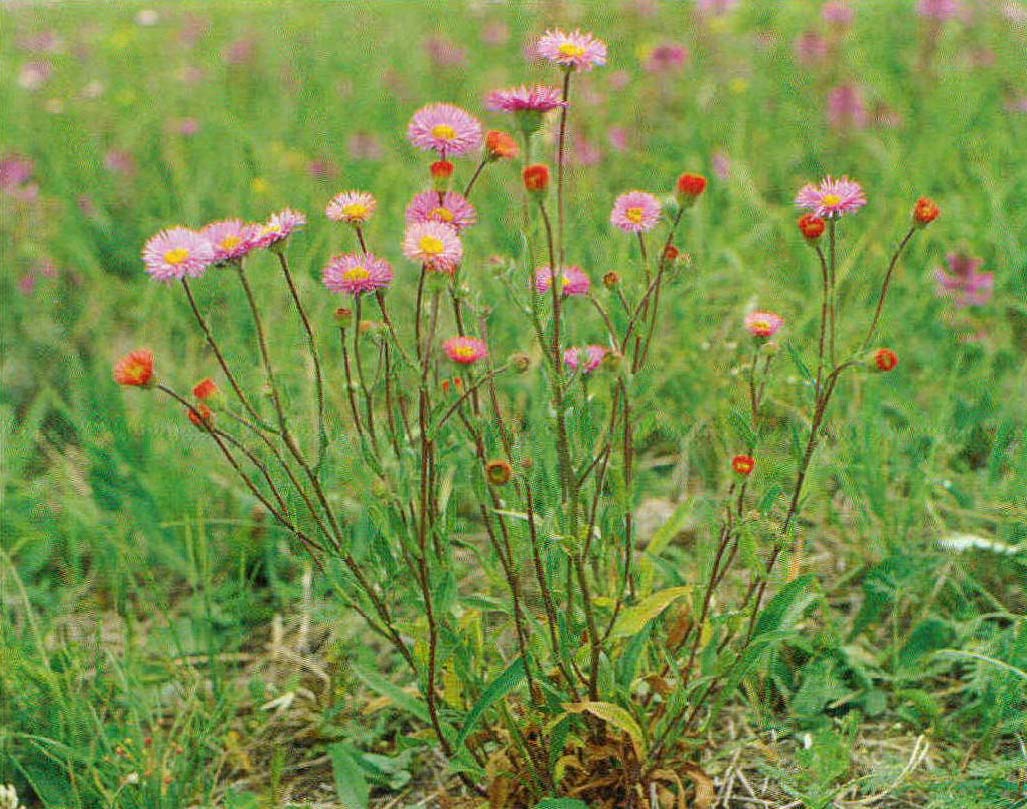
(475,502)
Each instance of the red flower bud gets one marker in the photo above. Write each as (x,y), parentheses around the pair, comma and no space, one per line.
(441,169)
(885,359)
(201,415)
(812,227)
(536,178)
(925,211)
(205,389)
(671,253)
(743,464)
(690,186)
(499,144)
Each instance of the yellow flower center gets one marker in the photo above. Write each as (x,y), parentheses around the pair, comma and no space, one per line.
(432,245)
(355,210)
(831,199)
(634,215)
(356,274)
(229,242)
(571,50)
(464,352)
(443,132)
(176,256)
(564,282)
(441,214)
(761,325)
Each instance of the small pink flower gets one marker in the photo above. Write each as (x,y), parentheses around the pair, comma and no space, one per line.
(838,12)
(537,98)
(230,238)
(34,75)
(636,212)
(448,207)
(939,9)
(832,198)
(465,350)
(364,146)
(445,128)
(618,79)
(963,283)
(495,33)
(584,152)
(716,7)
(667,58)
(176,253)
(15,173)
(436,245)
(444,52)
(585,359)
(279,226)
(351,207)
(619,138)
(357,273)
(121,162)
(574,51)
(846,109)
(187,126)
(721,164)
(572,281)
(811,48)
(763,324)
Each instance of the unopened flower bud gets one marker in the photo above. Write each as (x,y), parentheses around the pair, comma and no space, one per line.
(812,227)
(498,472)
(520,362)
(884,360)
(689,188)
(202,416)
(536,179)
(501,145)
(670,253)
(925,211)
(743,464)
(343,317)
(441,172)
(611,279)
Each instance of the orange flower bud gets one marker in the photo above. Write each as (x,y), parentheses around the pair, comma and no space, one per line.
(743,464)
(135,369)
(499,144)
(536,178)
(925,211)
(812,227)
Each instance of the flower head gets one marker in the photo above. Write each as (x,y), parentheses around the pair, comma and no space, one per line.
(465,350)
(812,226)
(498,472)
(434,244)
(201,415)
(501,145)
(446,128)
(536,178)
(176,253)
(537,98)
(135,369)
(963,283)
(690,187)
(832,198)
(763,324)
(352,207)
(585,359)
(205,389)
(572,281)
(743,464)
(574,51)
(885,359)
(636,212)
(279,227)
(938,9)
(449,207)
(357,273)
(925,211)
(230,238)
(667,57)
(838,12)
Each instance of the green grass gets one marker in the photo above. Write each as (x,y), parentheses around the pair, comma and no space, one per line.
(133,567)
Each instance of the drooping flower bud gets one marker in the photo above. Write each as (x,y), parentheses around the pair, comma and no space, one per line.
(536,179)
(500,145)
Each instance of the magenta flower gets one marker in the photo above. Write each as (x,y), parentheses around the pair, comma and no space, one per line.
(636,212)
(810,48)
(537,98)
(436,245)
(721,164)
(465,350)
(938,9)
(572,281)
(279,227)
(832,198)
(574,51)
(717,7)
(763,324)
(846,109)
(444,52)
(230,238)
(585,359)
(963,283)
(446,128)
(352,207)
(619,138)
(666,58)
(838,12)
(176,253)
(357,273)
(15,173)
(450,207)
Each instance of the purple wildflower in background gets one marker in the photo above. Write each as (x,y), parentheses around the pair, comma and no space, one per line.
(963,283)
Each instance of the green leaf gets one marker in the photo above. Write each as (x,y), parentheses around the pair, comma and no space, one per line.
(616,716)
(633,620)
(350,786)
(928,636)
(497,689)
(400,698)
(561,803)
(670,529)
(787,607)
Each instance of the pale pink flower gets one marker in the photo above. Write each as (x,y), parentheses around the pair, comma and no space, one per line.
(495,33)
(721,164)
(636,212)
(357,273)
(832,198)
(939,9)
(48,41)
(444,52)
(716,7)
(618,137)
(838,12)
(666,58)
(963,283)
(187,126)
(351,207)
(15,173)
(618,79)
(364,146)
(573,281)
(279,227)
(176,253)
(120,161)
(846,108)
(230,238)
(583,151)
(323,169)
(763,324)
(537,98)
(465,350)
(450,207)
(445,128)
(240,51)
(811,48)
(34,75)
(574,51)
(436,245)
(585,359)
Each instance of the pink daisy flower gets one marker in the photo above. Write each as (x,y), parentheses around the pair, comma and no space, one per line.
(832,198)
(572,281)
(176,253)
(445,128)
(963,283)
(574,51)
(279,227)
(537,98)
(465,350)
(585,359)
(450,207)
(230,238)
(356,273)
(434,244)
(352,207)
(763,324)
(636,212)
